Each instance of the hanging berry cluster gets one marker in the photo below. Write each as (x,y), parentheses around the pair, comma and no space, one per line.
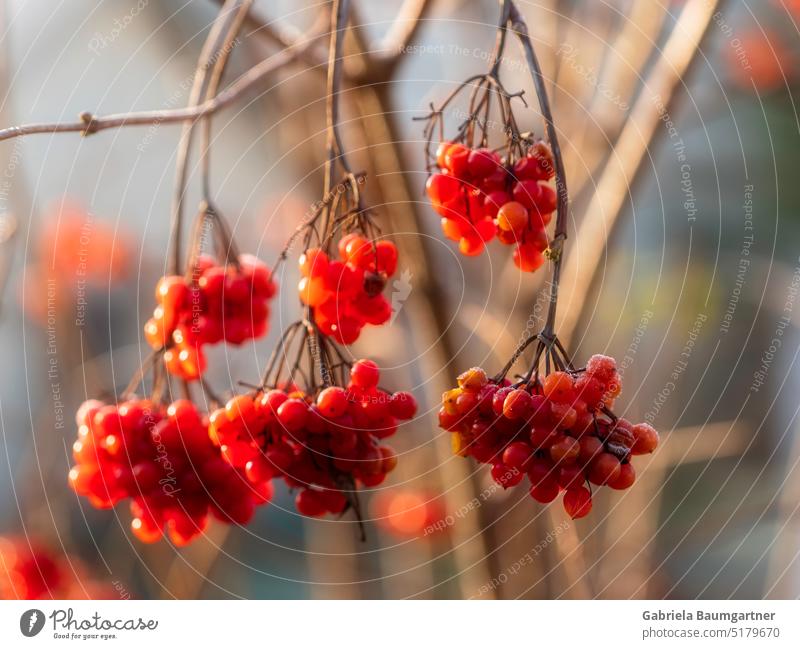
(318,420)
(345,265)
(481,192)
(325,444)
(555,426)
(559,431)
(162,460)
(346,293)
(480,195)
(214,301)
(159,456)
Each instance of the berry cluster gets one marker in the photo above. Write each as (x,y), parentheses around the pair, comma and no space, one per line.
(164,461)
(228,303)
(560,431)
(326,446)
(479,195)
(30,571)
(346,293)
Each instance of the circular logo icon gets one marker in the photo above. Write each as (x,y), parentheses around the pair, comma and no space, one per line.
(31,622)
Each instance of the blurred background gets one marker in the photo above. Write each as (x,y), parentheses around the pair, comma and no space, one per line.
(680,134)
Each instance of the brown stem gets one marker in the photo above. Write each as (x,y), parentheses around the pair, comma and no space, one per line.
(213,46)
(335,65)
(212,86)
(339,16)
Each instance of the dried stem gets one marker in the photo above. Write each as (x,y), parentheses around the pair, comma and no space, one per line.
(223,56)
(510,14)
(214,47)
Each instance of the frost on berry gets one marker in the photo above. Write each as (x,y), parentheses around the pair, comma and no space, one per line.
(481,195)
(162,461)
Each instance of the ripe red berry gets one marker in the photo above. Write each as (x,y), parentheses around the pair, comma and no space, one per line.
(456,160)
(518,405)
(564,450)
(578,502)
(545,492)
(518,455)
(314,263)
(604,469)
(558,387)
(590,447)
(482,162)
(332,402)
(442,189)
(403,405)
(441,153)
(365,374)
(625,479)
(292,414)
(386,257)
(527,257)
(506,476)
(512,217)
(646,439)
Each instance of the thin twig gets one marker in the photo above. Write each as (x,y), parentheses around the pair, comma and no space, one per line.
(89,124)
(214,46)
(212,86)
(520,28)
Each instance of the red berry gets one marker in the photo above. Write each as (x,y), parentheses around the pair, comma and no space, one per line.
(332,402)
(506,476)
(512,217)
(518,455)
(545,492)
(527,258)
(310,503)
(386,255)
(314,263)
(564,450)
(646,439)
(605,468)
(365,374)
(441,153)
(558,387)
(626,477)
(292,414)
(456,159)
(403,405)
(590,448)
(482,162)
(473,379)
(259,469)
(518,405)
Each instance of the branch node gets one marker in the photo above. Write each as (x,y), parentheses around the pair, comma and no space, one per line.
(90,123)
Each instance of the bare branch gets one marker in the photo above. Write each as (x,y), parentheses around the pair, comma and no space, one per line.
(216,47)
